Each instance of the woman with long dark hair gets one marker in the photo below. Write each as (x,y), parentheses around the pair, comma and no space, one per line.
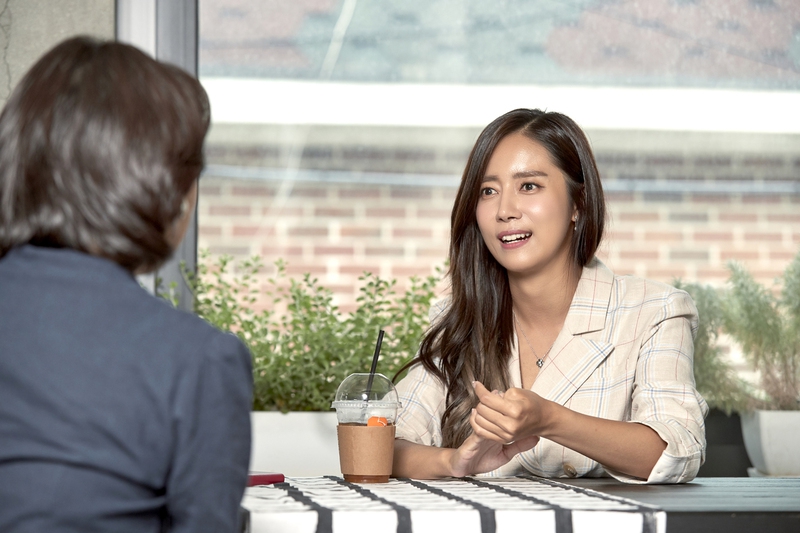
(118,412)
(542,360)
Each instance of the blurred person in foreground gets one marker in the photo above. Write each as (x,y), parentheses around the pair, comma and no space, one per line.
(542,361)
(117,411)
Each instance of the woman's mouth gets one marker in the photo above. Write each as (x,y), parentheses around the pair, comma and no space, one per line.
(514,238)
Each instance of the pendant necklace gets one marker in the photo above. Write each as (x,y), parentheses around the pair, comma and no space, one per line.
(539,360)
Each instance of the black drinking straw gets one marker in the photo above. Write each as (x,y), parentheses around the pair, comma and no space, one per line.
(374,362)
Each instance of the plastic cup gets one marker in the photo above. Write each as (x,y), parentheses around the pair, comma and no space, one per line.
(366,427)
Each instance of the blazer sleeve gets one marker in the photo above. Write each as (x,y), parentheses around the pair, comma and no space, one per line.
(664,396)
(212,438)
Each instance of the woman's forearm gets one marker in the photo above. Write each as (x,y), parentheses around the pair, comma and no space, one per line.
(625,447)
(418,461)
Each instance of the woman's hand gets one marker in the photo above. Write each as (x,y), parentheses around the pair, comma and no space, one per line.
(478,455)
(510,416)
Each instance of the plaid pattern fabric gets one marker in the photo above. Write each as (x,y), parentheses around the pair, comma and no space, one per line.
(625,353)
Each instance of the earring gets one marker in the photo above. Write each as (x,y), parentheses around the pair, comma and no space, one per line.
(184,206)
(575,221)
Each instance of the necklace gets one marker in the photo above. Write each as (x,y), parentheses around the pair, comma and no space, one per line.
(539,360)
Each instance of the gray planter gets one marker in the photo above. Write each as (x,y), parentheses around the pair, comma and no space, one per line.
(295,444)
(771,439)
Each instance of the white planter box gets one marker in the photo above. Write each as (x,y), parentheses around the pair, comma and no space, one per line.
(771,439)
(295,444)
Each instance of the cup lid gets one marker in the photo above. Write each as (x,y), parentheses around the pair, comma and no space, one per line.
(356,389)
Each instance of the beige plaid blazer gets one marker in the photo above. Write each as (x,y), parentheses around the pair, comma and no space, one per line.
(624,353)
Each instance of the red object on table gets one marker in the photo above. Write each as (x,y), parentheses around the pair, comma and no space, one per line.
(263,478)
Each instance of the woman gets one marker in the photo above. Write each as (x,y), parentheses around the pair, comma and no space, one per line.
(542,360)
(117,411)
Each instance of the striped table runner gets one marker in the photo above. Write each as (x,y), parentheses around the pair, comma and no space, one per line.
(480,505)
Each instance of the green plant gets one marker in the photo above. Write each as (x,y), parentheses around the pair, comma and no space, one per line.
(303,346)
(767,326)
(715,379)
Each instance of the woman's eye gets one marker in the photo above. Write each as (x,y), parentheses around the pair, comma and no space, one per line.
(529,186)
(487,191)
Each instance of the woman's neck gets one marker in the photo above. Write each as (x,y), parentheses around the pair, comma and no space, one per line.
(544,299)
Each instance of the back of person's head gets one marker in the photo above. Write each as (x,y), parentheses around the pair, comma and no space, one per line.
(570,151)
(99,146)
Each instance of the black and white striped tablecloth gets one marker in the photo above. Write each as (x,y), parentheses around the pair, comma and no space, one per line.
(480,505)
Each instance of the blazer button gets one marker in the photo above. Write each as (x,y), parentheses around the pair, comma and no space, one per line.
(570,470)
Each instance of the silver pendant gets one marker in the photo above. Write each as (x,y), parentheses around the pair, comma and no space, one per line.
(540,363)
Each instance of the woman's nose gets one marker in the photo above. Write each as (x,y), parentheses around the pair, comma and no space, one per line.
(507,208)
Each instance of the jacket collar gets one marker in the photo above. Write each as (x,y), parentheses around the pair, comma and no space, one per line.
(575,355)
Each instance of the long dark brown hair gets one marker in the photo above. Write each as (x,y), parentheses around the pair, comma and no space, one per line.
(99,145)
(473,338)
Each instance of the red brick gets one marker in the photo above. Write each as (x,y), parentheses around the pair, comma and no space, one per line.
(210,190)
(738,255)
(384,251)
(309,231)
(418,193)
(688,216)
(661,236)
(711,198)
(283,212)
(781,255)
(738,217)
(358,270)
(419,233)
(634,255)
(408,271)
(688,255)
(279,251)
(619,197)
(334,212)
(639,216)
(209,231)
(305,192)
(359,193)
(386,212)
(229,250)
(618,236)
(443,214)
(251,231)
(762,237)
(441,252)
(761,199)
(314,270)
(333,250)
(713,236)
(706,274)
(255,190)
(784,217)
(667,275)
(355,231)
(229,210)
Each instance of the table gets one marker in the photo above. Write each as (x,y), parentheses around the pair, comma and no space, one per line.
(495,505)
(480,505)
(716,504)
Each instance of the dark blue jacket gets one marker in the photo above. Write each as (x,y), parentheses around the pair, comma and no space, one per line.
(117,411)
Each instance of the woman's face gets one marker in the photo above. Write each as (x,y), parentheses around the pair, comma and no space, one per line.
(178,230)
(525,213)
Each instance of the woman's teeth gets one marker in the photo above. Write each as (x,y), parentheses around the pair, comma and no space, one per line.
(515,237)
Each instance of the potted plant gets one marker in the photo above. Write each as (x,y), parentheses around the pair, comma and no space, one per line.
(766,324)
(303,346)
(716,380)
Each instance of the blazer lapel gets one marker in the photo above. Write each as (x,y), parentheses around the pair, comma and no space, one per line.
(575,355)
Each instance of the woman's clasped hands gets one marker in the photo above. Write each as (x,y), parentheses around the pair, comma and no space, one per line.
(503,425)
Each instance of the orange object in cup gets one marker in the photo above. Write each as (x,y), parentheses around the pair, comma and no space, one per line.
(377,421)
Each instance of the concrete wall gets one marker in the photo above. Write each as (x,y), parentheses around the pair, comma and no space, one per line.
(28,28)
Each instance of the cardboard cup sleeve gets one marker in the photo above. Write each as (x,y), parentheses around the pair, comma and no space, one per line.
(366,450)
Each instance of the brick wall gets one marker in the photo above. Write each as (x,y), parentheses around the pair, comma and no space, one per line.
(674,215)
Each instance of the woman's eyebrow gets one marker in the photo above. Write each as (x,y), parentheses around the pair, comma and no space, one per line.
(519,175)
